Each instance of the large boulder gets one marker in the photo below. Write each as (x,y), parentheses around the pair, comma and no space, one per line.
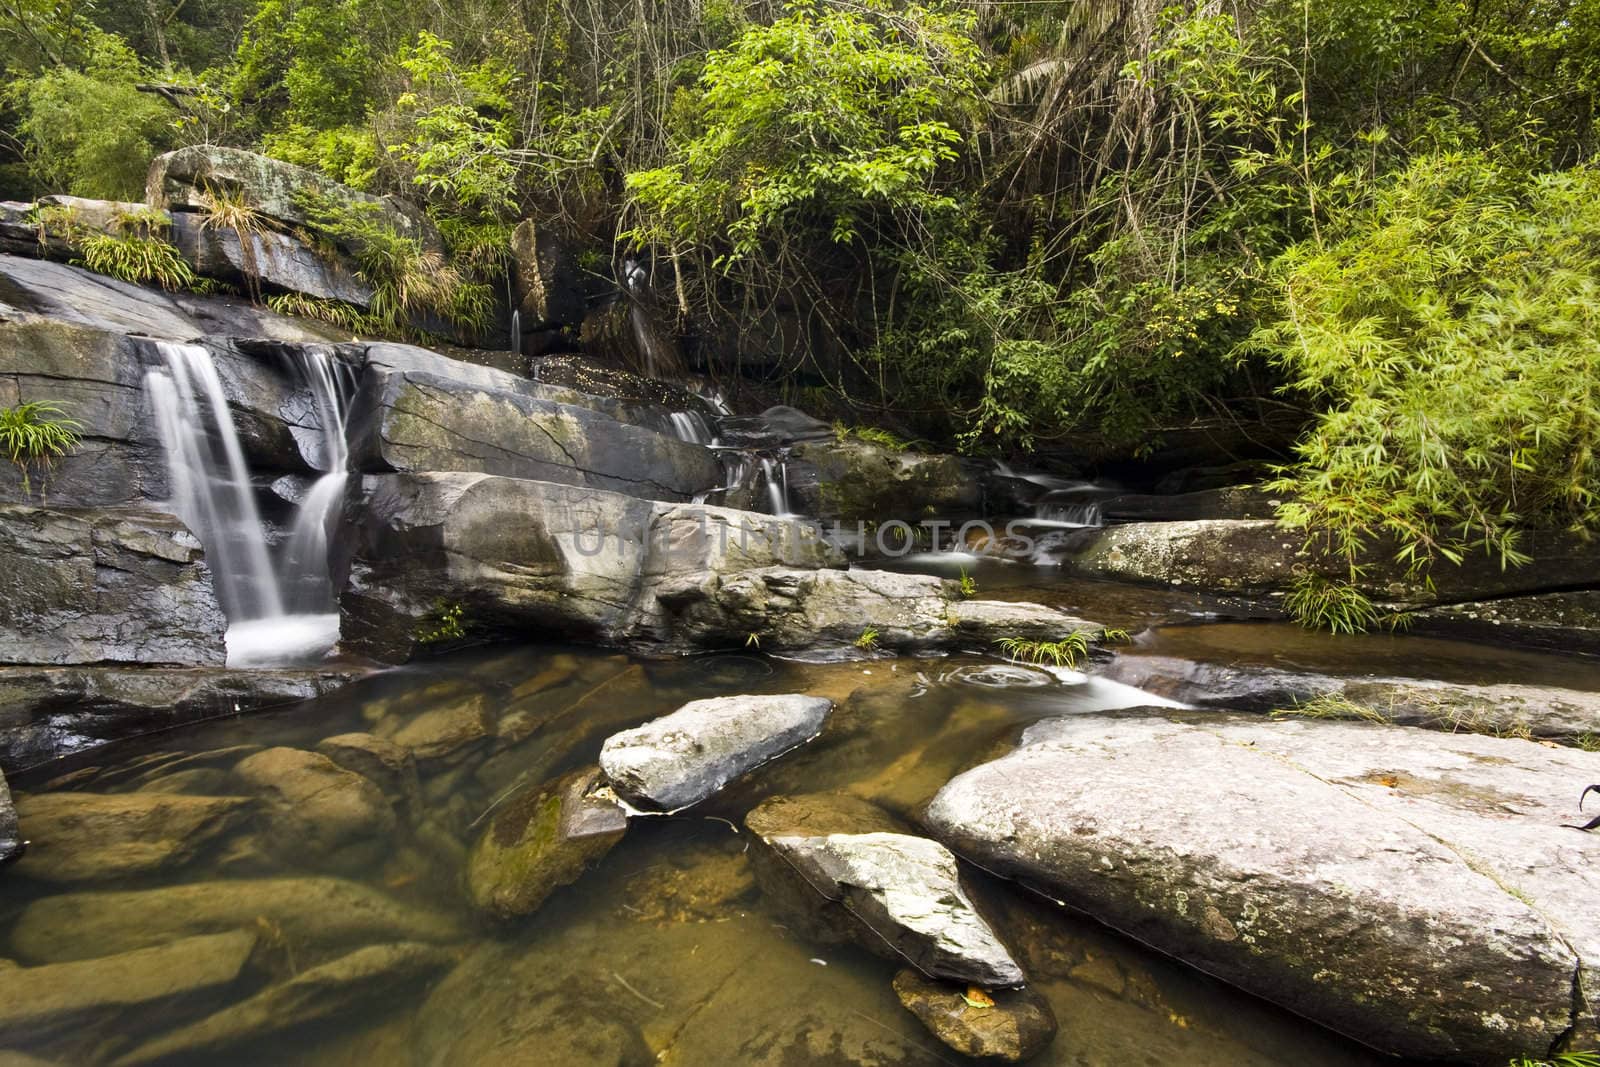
(182,181)
(852,479)
(1417,891)
(33,289)
(61,999)
(683,758)
(849,872)
(87,837)
(271,259)
(524,557)
(416,421)
(314,917)
(49,712)
(112,586)
(542,838)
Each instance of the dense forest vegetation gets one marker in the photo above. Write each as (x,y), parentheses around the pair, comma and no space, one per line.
(1011,222)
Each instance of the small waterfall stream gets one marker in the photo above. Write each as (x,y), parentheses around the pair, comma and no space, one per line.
(776,474)
(276,615)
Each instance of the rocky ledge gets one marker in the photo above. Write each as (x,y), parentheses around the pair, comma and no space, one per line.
(1420,892)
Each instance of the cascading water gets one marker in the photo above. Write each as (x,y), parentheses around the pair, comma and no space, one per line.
(275,616)
(1069,514)
(690,427)
(776,475)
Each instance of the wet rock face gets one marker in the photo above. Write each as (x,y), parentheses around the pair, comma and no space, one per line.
(849,872)
(1322,865)
(682,758)
(86,837)
(416,421)
(12,843)
(851,479)
(549,287)
(275,260)
(1008,1025)
(123,586)
(543,838)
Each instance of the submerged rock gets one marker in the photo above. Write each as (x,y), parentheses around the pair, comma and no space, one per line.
(389,766)
(37,1002)
(343,985)
(1415,890)
(682,758)
(1009,1025)
(543,838)
(86,837)
(446,736)
(894,893)
(318,810)
(313,916)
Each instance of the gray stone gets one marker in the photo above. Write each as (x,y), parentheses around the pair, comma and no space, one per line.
(275,260)
(1563,622)
(114,586)
(179,181)
(102,216)
(318,810)
(87,837)
(346,984)
(414,421)
(316,917)
(682,758)
(1414,890)
(51,712)
(542,838)
(1009,1025)
(902,893)
(36,1002)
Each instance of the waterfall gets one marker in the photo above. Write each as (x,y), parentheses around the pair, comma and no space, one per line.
(690,427)
(516,331)
(776,475)
(1069,514)
(211,491)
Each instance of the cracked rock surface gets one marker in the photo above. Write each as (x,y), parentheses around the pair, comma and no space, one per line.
(1416,890)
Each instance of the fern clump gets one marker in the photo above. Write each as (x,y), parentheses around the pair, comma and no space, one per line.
(33,436)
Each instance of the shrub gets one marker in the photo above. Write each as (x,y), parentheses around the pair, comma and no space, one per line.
(34,435)
(137,253)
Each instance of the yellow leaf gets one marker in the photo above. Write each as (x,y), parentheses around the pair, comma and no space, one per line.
(977,998)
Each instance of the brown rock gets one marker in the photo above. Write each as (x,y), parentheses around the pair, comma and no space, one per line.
(1016,1026)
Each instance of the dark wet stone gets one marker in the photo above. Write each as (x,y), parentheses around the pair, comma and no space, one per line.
(1014,1024)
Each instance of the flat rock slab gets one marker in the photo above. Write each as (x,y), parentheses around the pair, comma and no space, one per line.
(1415,890)
(85,837)
(348,982)
(682,758)
(40,1000)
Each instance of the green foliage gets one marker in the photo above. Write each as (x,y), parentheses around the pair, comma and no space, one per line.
(86,130)
(446,622)
(1332,706)
(825,125)
(137,253)
(347,154)
(868,639)
(1560,1059)
(1452,338)
(33,436)
(306,63)
(334,312)
(1067,652)
(969,585)
(873,435)
(406,281)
